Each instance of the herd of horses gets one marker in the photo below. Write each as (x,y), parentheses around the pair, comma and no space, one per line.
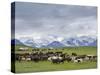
(54,57)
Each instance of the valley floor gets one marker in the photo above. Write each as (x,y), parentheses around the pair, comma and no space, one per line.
(24,67)
(30,66)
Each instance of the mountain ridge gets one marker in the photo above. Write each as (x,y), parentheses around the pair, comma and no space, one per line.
(66,42)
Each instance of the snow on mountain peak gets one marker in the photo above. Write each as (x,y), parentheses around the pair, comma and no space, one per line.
(71,41)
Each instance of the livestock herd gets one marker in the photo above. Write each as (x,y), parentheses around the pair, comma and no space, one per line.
(54,57)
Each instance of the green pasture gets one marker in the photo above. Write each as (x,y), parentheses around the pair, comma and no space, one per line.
(30,66)
(48,66)
(69,50)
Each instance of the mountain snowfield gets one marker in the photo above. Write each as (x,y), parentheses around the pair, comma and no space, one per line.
(80,41)
(59,42)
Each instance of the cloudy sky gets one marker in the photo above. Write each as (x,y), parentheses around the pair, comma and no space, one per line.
(42,20)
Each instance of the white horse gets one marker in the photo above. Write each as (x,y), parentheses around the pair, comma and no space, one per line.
(28,59)
(55,59)
(78,60)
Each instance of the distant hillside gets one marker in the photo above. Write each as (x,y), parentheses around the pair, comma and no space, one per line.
(55,44)
(66,42)
(30,43)
(16,42)
(80,41)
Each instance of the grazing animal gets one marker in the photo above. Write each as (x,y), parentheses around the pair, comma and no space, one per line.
(35,58)
(56,59)
(23,58)
(28,59)
(86,58)
(92,57)
(78,60)
(49,59)
(74,54)
(68,58)
(43,57)
(23,49)
(73,58)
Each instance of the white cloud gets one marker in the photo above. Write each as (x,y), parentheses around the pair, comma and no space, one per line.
(83,26)
(60,38)
(63,21)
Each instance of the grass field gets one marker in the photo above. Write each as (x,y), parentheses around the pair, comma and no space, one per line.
(42,66)
(69,50)
(48,66)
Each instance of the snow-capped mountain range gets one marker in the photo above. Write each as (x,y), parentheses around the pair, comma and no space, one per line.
(66,42)
(80,41)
